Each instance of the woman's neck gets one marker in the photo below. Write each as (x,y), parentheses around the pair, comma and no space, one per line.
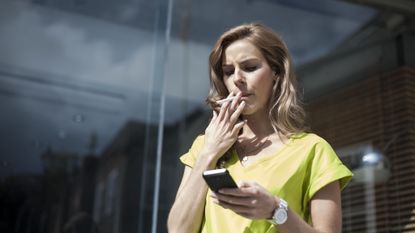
(257,126)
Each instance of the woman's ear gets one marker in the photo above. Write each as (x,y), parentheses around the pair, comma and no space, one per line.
(275,76)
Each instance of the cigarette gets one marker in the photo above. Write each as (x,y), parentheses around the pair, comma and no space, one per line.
(222,101)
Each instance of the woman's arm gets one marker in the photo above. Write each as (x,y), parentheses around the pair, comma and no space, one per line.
(254,202)
(325,210)
(186,213)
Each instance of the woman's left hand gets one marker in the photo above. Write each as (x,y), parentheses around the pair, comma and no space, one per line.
(250,200)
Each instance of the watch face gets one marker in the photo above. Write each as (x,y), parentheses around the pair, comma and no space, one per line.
(281,216)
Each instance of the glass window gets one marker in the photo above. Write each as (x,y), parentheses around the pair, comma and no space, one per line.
(100,98)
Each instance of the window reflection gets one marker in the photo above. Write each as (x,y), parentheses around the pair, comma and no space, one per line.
(81,104)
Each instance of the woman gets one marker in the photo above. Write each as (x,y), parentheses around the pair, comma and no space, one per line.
(289,181)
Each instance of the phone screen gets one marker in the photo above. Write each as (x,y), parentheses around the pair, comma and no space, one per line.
(219,178)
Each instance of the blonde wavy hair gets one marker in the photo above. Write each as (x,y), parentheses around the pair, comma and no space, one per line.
(285,109)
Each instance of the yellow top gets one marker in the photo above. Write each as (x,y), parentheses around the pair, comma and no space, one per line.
(304,165)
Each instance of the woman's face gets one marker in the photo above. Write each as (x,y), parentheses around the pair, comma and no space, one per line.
(245,70)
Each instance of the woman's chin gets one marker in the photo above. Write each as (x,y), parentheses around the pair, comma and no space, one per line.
(251,110)
(247,111)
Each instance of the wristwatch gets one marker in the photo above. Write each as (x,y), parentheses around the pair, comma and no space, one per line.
(280,214)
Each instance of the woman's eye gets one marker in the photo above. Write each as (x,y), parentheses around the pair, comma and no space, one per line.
(228,72)
(251,68)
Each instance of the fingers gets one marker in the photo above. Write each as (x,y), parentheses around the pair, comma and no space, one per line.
(236,192)
(245,189)
(234,200)
(242,210)
(235,115)
(249,200)
(236,101)
(247,184)
(231,110)
(238,126)
(244,206)
(215,115)
(223,110)
(223,128)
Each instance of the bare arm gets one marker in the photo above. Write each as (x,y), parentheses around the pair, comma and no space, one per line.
(254,202)
(187,211)
(186,214)
(325,213)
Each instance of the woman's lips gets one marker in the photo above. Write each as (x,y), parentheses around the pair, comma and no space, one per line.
(245,96)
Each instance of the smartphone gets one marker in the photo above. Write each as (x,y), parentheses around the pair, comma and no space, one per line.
(219,178)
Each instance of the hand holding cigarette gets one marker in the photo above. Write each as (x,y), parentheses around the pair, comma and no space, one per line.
(222,101)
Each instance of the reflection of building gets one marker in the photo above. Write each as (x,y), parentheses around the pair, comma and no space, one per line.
(69,183)
(45,203)
(21,207)
(125,180)
(117,193)
(374,102)
(115,189)
(59,170)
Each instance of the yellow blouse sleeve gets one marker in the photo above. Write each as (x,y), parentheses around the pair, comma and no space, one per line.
(190,157)
(325,168)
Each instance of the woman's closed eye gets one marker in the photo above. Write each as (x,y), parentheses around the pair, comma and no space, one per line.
(250,68)
(228,72)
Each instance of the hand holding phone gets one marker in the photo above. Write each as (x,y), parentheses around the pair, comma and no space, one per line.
(219,178)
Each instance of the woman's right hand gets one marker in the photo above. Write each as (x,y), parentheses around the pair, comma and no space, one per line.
(223,129)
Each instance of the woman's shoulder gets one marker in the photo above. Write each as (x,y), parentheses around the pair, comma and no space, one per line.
(308,138)
(310,142)
(190,156)
(199,140)
(197,143)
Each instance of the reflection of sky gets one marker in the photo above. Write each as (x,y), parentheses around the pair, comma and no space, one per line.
(309,27)
(55,64)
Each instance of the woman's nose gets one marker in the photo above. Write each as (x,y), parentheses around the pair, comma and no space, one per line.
(238,76)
